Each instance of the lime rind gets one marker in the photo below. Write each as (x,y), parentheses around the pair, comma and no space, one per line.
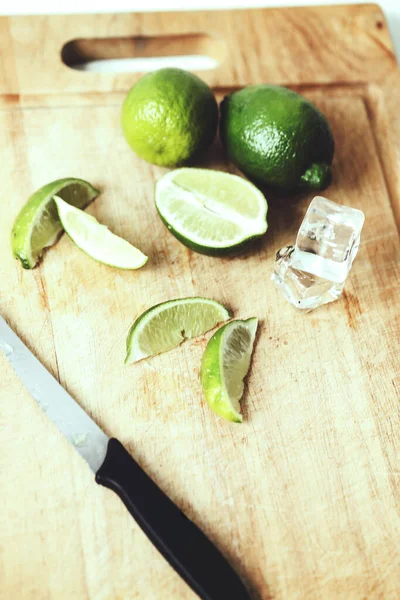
(211,212)
(37,226)
(96,240)
(166,325)
(225,364)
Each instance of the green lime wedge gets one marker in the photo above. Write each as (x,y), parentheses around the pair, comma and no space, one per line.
(211,212)
(97,240)
(38,226)
(224,366)
(166,325)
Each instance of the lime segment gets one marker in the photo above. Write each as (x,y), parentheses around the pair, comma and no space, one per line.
(209,211)
(96,239)
(38,226)
(166,325)
(224,366)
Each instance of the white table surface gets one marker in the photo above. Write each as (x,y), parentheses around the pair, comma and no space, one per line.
(391,8)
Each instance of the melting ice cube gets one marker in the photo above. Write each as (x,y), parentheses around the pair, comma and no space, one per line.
(313,271)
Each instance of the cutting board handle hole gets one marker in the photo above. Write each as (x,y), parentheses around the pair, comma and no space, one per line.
(196,51)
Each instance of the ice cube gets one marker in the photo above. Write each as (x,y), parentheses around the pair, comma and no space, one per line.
(328,239)
(313,271)
(304,290)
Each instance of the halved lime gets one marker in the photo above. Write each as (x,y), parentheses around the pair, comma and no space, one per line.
(224,366)
(97,240)
(166,325)
(211,212)
(37,226)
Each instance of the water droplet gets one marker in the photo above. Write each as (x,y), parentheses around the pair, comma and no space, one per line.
(7,349)
(35,391)
(79,439)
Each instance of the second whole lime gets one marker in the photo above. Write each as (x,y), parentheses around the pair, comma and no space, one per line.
(277,138)
(169,117)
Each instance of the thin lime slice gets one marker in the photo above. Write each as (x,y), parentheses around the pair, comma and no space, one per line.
(97,240)
(224,366)
(166,325)
(211,212)
(38,226)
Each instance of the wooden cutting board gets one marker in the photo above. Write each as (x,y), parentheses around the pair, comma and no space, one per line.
(304,496)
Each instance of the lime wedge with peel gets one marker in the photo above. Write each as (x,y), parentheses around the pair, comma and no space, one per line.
(211,212)
(224,366)
(38,226)
(166,325)
(97,240)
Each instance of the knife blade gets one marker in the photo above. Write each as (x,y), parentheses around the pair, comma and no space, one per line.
(180,541)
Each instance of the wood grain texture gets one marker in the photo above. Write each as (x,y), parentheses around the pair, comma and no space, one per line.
(296,45)
(303,497)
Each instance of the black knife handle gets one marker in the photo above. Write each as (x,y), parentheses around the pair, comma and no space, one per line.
(179,540)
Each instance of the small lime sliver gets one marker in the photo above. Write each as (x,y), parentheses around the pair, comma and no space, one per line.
(225,363)
(96,240)
(38,226)
(166,325)
(211,212)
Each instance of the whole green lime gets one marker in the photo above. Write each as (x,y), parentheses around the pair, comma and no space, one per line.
(169,117)
(277,138)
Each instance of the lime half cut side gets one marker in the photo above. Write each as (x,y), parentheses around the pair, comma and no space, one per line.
(225,363)
(211,212)
(38,226)
(168,324)
(96,240)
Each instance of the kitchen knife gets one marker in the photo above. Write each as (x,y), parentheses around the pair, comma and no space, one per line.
(178,539)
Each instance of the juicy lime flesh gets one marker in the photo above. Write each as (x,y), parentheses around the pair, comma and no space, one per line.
(169,116)
(277,138)
(194,217)
(236,356)
(38,226)
(166,325)
(220,193)
(225,364)
(96,239)
(46,229)
(210,209)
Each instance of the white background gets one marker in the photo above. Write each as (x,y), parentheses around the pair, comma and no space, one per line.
(391,7)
